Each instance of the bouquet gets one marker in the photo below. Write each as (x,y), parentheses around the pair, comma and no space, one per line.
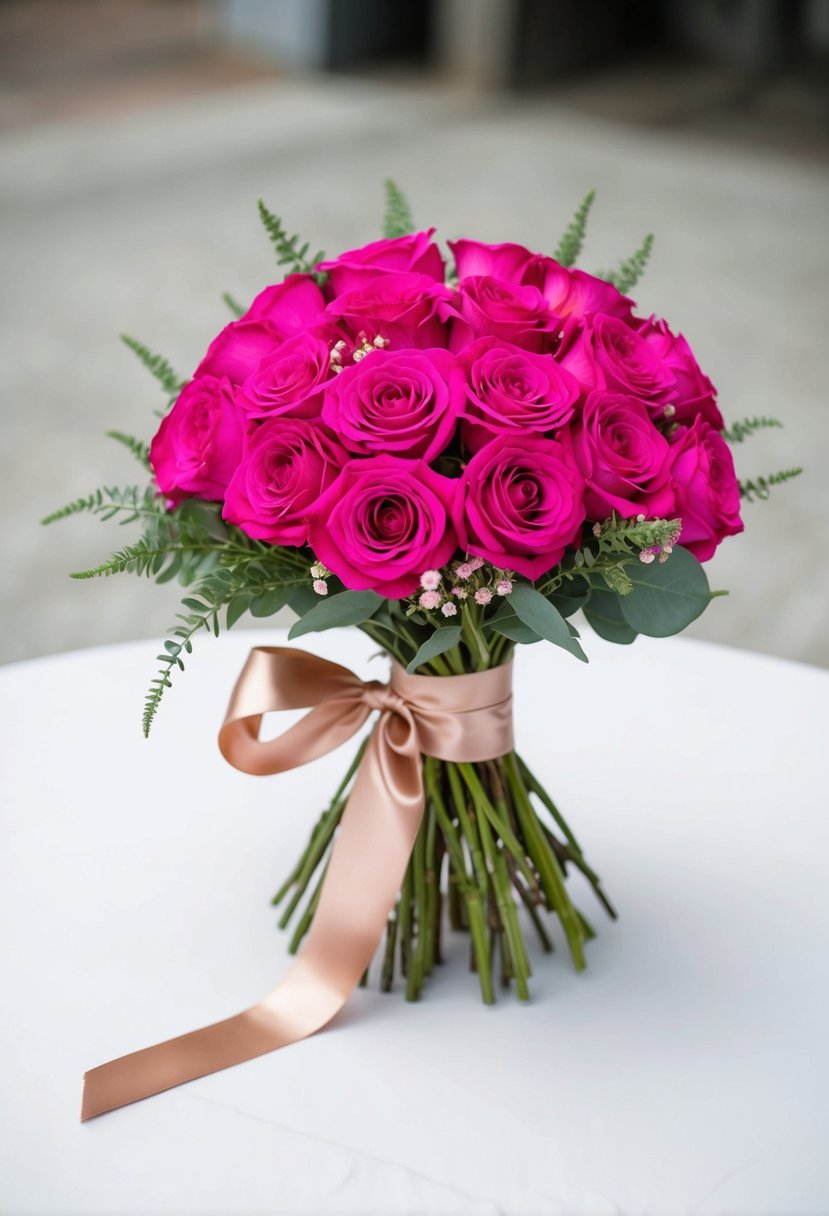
(454,456)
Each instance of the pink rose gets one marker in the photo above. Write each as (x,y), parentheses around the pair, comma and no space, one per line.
(401,401)
(199,444)
(488,306)
(521,503)
(625,362)
(694,393)
(275,314)
(474,258)
(383,522)
(415,253)
(289,380)
(289,462)
(402,308)
(513,389)
(706,488)
(574,293)
(623,457)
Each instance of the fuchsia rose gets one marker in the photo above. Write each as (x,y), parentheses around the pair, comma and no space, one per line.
(415,253)
(706,488)
(576,294)
(289,380)
(275,314)
(199,444)
(609,354)
(694,393)
(405,402)
(402,308)
(506,261)
(488,306)
(288,464)
(521,503)
(513,389)
(383,522)
(623,458)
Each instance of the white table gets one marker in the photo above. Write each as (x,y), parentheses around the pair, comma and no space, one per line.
(685,1072)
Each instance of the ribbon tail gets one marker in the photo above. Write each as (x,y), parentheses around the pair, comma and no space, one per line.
(364,876)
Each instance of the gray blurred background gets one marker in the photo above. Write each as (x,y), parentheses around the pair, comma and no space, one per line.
(136,136)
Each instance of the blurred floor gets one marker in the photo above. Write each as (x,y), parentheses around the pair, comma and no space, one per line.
(137,222)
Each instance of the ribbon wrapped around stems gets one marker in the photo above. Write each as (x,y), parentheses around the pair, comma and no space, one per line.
(466,718)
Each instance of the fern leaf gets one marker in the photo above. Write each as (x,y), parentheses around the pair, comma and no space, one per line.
(397,218)
(289,251)
(156,365)
(630,271)
(109,501)
(570,245)
(233,304)
(761,486)
(749,426)
(139,449)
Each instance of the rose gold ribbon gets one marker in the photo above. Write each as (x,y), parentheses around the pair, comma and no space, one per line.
(457,718)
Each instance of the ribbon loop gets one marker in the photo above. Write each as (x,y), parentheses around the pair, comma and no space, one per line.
(455,718)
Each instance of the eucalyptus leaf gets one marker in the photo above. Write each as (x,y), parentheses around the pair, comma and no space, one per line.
(509,626)
(237,607)
(666,596)
(531,607)
(604,614)
(269,602)
(343,608)
(571,596)
(302,599)
(441,640)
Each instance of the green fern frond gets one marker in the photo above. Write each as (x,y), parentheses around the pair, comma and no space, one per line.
(570,245)
(397,218)
(289,251)
(760,487)
(139,449)
(110,501)
(630,271)
(233,304)
(749,426)
(156,365)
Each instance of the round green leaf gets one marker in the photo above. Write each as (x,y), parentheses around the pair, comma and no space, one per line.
(666,596)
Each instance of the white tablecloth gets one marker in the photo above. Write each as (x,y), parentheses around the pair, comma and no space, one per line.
(685,1072)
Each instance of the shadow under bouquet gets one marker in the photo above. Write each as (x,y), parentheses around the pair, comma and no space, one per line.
(455,457)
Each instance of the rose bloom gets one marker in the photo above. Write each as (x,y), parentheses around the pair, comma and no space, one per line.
(706,488)
(403,308)
(623,458)
(694,393)
(609,354)
(506,261)
(288,463)
(486,305)
(574,293)
(415,253)
(513,389)
(383,521)
(405,402)
(521,503)
(275,314)
(199,443)
(289,380)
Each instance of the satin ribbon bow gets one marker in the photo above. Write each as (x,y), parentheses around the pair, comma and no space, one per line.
(455,718)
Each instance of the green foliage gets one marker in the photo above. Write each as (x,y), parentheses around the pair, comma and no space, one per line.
(341,608)
(139,449)
(603,613)
(156,365)
(397,219)
(179,544)
(508,625)
(233,304)
(629,272)
(760,487)
(130,503)
(749,426)
(570,245)
(289,251)
(666,596)
(539,615)
(439,642)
